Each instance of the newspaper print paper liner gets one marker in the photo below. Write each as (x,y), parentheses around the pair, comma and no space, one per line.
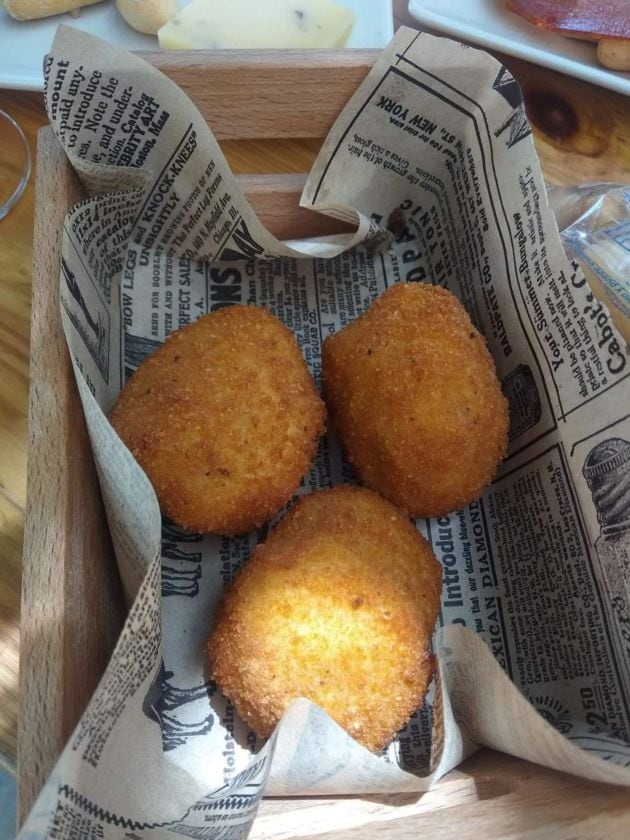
(151,754)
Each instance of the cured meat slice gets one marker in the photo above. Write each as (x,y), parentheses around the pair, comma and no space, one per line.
(587,19)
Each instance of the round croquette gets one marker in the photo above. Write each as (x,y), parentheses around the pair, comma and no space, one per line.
(412,391)
(224,418)
(338,606)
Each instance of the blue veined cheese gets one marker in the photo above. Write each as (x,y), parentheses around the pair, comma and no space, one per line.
(252,24)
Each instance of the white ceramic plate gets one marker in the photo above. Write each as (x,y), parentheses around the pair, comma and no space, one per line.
(491,24)
(23,44)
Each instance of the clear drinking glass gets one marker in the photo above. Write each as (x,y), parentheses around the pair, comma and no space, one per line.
(15,163)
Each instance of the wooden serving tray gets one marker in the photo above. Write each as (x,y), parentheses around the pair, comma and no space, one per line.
(72,606)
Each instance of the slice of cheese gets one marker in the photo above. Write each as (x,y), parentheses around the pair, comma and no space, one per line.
(255,24)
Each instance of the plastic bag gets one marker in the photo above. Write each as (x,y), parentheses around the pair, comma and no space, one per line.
(594,223)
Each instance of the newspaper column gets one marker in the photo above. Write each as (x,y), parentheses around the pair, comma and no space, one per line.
(607,473)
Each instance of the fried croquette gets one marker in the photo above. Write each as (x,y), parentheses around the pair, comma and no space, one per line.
(224,418)
(412,391)
(337,606)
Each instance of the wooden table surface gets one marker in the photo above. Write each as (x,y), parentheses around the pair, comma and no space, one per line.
(582,134)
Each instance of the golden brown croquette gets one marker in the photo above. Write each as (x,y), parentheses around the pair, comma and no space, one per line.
(413,392)
(337,606)
(224,418)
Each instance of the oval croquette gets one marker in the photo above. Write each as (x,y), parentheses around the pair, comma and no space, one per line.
(224,418)
(412,391)
(337,606)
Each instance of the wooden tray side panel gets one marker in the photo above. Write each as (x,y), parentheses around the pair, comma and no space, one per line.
(276,201)
(72,606)
(246,94)
(491,796)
